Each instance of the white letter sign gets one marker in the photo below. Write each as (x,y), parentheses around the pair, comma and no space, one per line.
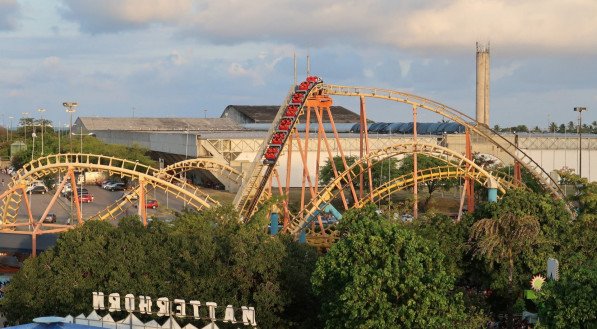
(129,303)
(163,306)
(114,301)
(195,304)
(98,300)
(180,307)
(229,314)
(212,310)
(145,304)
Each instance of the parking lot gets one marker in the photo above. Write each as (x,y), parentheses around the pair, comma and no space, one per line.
(63,208)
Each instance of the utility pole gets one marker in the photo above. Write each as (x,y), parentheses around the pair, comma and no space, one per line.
(70,109)
(580,110)
(24,116)
(41,121)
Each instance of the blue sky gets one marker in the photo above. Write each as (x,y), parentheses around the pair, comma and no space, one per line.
(181,57)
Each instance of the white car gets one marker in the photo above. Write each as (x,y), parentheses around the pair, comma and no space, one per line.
(66,190)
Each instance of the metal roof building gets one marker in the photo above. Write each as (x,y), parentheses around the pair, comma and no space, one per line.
(97,124)
(244,114)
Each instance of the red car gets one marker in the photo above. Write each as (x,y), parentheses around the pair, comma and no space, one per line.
(85,198)
(150,204)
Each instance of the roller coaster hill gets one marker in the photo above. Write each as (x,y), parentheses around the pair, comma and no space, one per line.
(288,151)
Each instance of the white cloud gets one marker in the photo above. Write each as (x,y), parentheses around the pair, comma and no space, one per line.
(550,24)
(117,15)
(10,11)
(424,25)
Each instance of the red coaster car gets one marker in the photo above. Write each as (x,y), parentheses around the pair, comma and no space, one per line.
(304,86)
(285,124)
(291,111)
(278,138)
(297,98)
(271,154)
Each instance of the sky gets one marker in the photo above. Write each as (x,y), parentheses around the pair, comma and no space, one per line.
(192,58)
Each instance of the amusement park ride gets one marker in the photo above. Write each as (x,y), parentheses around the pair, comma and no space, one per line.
(310,99)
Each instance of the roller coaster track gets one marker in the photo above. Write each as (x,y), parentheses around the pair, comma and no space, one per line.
(502,143)
(215,167)
(219,169)
(52,164)
(252,187)
(452,158)
(323,237)
(251,190)
(431,174)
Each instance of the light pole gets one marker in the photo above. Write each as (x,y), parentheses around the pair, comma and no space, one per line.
(70,109)
(41,121)
(24,116)
(580,110)
(80,135)
(10,118)
(33,135)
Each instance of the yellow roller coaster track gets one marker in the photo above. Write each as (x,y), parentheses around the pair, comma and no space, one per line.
(451,158)
(53,164)
(215,167)
(324,238)
(499,141)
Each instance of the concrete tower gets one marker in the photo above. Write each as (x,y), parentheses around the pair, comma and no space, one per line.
(483,84)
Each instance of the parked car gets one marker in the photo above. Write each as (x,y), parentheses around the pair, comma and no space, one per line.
(85,198)
(36,183)
(50,218)
(115,187)
(66,190)
(80,192)
(108,182)
(150,203)
(37,189)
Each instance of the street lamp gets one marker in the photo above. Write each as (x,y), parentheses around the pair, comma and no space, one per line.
(580,110)
(24,116)
(80,135)
(33,135)
(70,109)
(41,121)
(10,118)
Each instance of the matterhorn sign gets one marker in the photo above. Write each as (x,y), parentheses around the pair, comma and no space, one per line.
(163,306)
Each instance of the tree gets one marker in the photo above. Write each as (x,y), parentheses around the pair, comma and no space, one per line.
(502,240)
(426,162)
(571,127)
(562,128)
(585,196)
(570,302)
(553,127)
(380,275)
(206,255)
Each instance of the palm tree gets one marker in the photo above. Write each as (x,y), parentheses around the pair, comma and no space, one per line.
(502,240)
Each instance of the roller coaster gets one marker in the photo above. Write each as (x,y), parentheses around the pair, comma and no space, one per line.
(349,188)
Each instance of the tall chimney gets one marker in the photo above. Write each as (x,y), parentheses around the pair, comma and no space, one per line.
(483,84)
